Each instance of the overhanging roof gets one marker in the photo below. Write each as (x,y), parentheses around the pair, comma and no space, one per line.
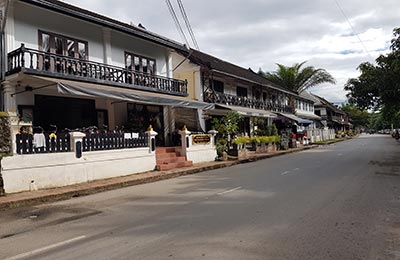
(295,118)
(221,109)
(90,90)
(308,115)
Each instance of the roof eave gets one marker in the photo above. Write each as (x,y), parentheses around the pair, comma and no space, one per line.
(107,22)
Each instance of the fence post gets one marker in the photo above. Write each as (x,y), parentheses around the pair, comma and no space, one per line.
(14,127)
(185,140)
(151,138)
(213,133)
(76,143)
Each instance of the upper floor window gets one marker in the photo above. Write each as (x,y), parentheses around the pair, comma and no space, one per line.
(218,86)
(63,45)
(140,63)
(241,92)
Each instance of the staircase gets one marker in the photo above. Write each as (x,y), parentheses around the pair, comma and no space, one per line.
(167,158)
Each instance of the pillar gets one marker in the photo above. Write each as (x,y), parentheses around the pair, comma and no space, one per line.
(151,137)
(76,142)
(10,101)
(185,141)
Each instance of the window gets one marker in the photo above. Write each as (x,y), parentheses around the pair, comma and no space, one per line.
(63,45)
(140,64)
(241,92)
(218,86)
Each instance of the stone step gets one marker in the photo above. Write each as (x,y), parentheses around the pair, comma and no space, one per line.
(162,150)
(171,160)
(170,166)
(163,156)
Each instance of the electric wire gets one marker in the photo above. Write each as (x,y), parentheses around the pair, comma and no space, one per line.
(177,24)
(352,28)
(188,25)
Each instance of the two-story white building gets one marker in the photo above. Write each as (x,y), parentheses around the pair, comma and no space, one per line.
(72,68)
(66,69)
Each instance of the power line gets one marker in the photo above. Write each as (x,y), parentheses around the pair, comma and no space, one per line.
(352,28)
(177,24)
(188,26)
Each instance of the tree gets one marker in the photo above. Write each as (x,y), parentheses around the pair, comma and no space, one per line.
(297,78)
(226,125)
(360,118)
(378,86)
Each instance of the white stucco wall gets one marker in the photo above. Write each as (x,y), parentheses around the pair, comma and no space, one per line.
(62,169)
(27,20)
(201,153)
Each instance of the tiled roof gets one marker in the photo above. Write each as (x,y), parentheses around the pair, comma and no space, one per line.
(216,64)
(326,103)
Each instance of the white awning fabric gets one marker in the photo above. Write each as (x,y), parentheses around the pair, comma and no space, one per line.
(221,109)
(308,115)
(295,118)
(160,99)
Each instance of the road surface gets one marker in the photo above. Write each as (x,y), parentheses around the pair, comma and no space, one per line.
(335,202)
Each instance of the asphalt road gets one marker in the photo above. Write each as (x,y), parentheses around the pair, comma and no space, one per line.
(336,202)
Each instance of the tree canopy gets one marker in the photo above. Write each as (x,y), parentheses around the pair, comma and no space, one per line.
(298,78)
(360,118)
(378,86)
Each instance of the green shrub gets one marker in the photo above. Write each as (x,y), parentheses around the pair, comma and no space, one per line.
(242,140)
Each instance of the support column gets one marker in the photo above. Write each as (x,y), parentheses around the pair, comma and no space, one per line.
(185,140)
(10,102)
(151,137)
(107,46)
(170,73)
(213,133)
(76,142)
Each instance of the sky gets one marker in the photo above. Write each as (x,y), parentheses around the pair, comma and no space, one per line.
(335,35)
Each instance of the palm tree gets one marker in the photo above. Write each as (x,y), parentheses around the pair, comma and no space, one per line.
(297,78)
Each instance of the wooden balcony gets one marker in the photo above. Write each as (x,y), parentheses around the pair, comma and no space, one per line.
(57,66)
(232,100)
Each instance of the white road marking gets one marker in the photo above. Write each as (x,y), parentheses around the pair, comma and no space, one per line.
(227,191)
(296,169)
(39,250)
(284,173)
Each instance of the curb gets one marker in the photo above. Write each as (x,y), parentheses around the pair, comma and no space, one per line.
(77,190)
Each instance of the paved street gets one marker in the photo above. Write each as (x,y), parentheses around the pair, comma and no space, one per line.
(335,202)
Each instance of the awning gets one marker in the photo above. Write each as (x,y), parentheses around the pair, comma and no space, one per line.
(308,115)
(295,118)
(221,109)
(92,90)
(158,99)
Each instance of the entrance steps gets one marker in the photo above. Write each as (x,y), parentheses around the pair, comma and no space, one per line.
(168,158)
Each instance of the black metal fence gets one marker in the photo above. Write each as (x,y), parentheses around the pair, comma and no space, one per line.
(112,141)
(28,144)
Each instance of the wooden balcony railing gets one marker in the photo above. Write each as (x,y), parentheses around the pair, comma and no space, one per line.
(53,65)
(232,100)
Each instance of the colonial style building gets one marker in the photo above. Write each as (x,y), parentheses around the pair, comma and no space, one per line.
(66,69)
(72,68)
(233,88)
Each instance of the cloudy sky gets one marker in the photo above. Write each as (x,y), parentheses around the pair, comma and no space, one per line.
(336,35)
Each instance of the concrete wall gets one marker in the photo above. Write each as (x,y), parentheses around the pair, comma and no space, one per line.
(201,153)
(62,169)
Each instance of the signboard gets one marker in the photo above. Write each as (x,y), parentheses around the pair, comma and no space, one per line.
(201,139)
